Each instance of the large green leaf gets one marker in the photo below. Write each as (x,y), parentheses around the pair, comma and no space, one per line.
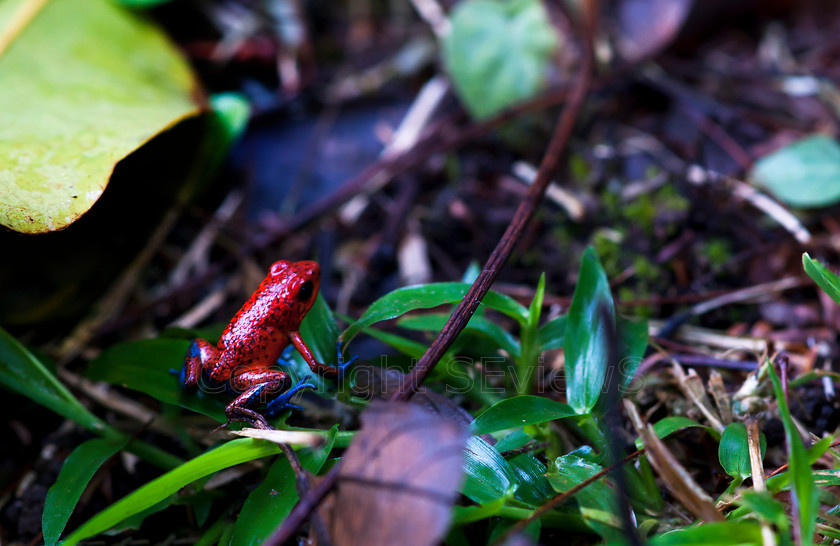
(803,174)
(519,411)
(586,340)
(150,366)
(489,477)
(269,504)
(229,454)
(498,53)
(825,279)
(426,296)
(78,469)
(106,82)
(805,503)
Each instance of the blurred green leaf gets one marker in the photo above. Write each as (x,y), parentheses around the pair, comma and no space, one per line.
(24,374)
(804,497)
(489,477)
(632,342)
(76,472)
(433,322)
(825,279)
(586,335)
(268,505)
(805,173)
(597,501)
(498,53)
(519,411)
(105,85)
(141,4)
(734,451)
(731,533)
(227,455)
(551,334)
(410,298)
(147,366)
(764,506)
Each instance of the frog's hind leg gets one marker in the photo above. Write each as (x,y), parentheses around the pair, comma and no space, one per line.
(201,355)
(254,388)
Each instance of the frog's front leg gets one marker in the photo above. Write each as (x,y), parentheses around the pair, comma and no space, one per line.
(201,355)
(318,367)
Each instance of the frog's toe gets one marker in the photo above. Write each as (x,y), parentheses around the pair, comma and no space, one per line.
(283,401)
(341,364)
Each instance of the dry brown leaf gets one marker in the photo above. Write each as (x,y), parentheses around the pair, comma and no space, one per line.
(399,478)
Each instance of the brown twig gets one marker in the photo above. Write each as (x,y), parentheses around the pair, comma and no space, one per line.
(302,485)
(459,318)
(465,309)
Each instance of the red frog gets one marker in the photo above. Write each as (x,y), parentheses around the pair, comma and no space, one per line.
(255,339)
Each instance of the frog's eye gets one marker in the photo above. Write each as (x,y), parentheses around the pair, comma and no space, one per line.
(305,291)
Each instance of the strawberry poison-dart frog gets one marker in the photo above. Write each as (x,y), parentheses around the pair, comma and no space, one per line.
(255,339)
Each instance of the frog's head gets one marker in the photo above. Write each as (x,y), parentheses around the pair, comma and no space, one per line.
(297,283)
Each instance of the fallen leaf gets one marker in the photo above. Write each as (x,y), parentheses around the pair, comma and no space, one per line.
(399,478)
(645,27)
(104,85)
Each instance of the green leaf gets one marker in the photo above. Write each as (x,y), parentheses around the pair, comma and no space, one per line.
(433,322)
(105,85)
(586,335)
(229,454)
(404,345)
(21,372)
(734,451)
(146,366)
(269,504)
(488,476)
(597,501)
(78,469)
(632,342)
(498,53)
(675,423)
(804,497)
(410,298)
(142,4)
(532,487)
(517,412)
(320,333)
(764,506)
(731,533)
(805,173)
(825,279)
(551,334)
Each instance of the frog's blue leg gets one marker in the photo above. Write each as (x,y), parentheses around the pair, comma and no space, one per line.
(283,401)
(341,364)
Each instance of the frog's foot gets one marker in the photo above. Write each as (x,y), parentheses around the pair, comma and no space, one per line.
(283,401)
(341,364)
(246,415)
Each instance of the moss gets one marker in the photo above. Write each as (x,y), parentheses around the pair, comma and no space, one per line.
(717,252)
